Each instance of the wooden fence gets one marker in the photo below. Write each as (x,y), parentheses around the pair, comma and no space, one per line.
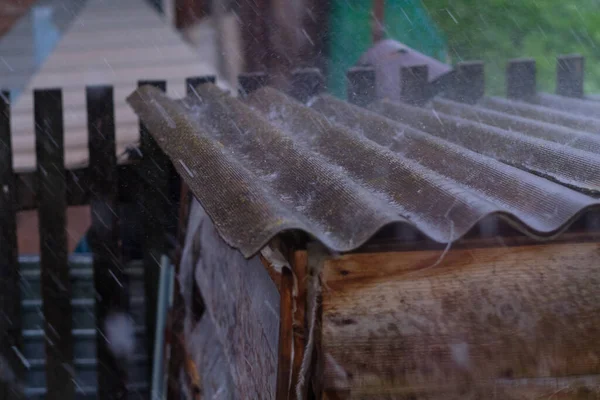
(153,184)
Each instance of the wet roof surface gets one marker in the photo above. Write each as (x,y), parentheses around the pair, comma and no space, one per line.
(268,164)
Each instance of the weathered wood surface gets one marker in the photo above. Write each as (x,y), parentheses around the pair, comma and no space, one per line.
(242,302)
(56,284)
(207,352)
(109,276)
(487,322)
(10,289)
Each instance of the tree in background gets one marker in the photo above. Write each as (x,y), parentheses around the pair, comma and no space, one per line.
(496,30)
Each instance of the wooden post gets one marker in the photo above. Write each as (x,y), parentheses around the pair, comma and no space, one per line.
(109,278)
(251,81)
(361,85)
(192,82)
(414,84)
(254,29)
(468,85)
(521,79)
(10,285)
(306,83)
(56,285)
(155,203)
(286,336)
(569,75)
(378,27)
(176,320)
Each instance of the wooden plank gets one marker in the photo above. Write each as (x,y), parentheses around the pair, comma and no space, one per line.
(468,84)
(155,203)
(177,314)
(10,289)
(361,85)
(56,285)
(243,304)
(414,84)
(569,75)
(393,322)
(109,277)
(207,352)
(299,266)
(286,335)
(521,79)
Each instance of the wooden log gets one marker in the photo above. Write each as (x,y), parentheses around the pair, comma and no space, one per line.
(243,304)
(478,324)
(569,75)
(361,85)
(10,285)
(155,203)
(56,285)
(109,278)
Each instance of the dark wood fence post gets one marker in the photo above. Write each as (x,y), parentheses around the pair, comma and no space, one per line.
(157,211)
(569,75)
(414,84)
(10,286)
(109,278)
(306,83)
(468,85)
(56,285)
(192,82)
(521,79)
(251,81)
(361,85)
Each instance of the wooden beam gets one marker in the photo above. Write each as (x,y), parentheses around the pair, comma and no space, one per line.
(286,335)
(56,284)
(361,85)
(155,203)
(395,323)
(10,281)
(109,278)
(378,20)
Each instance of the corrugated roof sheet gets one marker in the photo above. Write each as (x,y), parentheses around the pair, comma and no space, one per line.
(268,164)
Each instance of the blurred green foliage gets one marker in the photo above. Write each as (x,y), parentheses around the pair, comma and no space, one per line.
(497,30)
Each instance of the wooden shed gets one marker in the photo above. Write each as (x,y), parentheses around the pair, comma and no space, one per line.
(442,251)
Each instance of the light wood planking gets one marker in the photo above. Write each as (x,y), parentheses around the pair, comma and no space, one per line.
(109,43)
(399,323)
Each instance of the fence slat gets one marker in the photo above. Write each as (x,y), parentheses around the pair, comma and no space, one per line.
(56,286)
(414,84)
(469,82)
(109,278)
(10,294)
(521,79)
(192,82)
(569,75)
(361,85)
(155,203)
